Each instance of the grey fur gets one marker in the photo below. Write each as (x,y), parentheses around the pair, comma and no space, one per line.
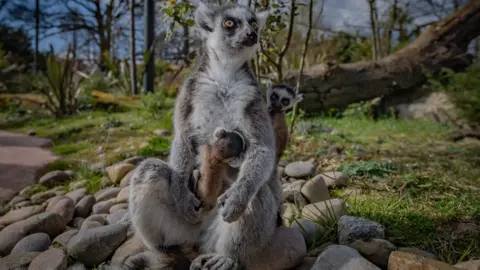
(221,92)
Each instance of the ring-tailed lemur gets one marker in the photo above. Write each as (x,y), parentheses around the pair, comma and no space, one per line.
(221,92)
(280,98)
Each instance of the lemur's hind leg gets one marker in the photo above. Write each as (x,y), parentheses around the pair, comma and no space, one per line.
(152,207)
(234,245)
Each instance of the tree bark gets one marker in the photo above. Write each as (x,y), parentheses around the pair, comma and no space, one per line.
(392,22)
(443,45)
(133,65)
(376,48)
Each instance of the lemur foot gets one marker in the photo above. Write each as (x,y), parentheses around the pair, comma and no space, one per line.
(213,262)
(232,205)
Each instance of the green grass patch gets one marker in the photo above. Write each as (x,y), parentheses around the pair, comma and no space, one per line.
(369,168)
(155,147)
(67,149)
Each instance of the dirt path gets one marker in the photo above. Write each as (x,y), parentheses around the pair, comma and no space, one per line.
(21,160)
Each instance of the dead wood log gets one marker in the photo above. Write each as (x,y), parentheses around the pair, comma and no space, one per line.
(443,45)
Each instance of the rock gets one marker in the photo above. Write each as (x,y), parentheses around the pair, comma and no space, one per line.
(84,206)
(376,251)
(420,252)
(335,179)
(77,195)
(90,224)
(42,196)
(77,266)
(333,208)
(306,264)
(282,163)
(126,179)
(292,193)
(50,223)
(315,190)
(309,229)
(117,207)
(37,242)
(469,265)
(300,169)
(54,178)
(17,199)
(351,228)
(123,195)
(64,207)
(17,261)
(107,194)
(334,150)
(102,207)
(6,195)
(98,218)
(22,204)
(162,132)
(94,246)
(118,171)
(286,250)
(62,240)
(134,160)
(116,216)
(9,237)
(52,259)
(338,257)
(408,261)
(31,133)
(131,247)
(77,222)
(319,250)
(21,214)
(290,212)
(78,184)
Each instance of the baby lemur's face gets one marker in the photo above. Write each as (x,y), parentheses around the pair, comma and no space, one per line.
(281,97)
(230,30)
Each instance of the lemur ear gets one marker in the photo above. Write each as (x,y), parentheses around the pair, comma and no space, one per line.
(262,18)
(299,98)
(204,18)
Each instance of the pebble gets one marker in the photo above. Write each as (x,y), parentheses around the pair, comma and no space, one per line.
(334,179)
(84,206)
(290,212)
(310,230)
(118,171)
(162,132)
(77,195)
(77,222)
(21,214)
(292,193)
(338,257)
(17,199)
(134,160)
(126,179)
(116,216)
(9,236)
(123,195)
(52,259)
(376,251)
(107,194)
(103,207)
(420,252)
(61,241)
(118,207)
(94,246)
(315,190)
(22,204)
(90,224)
(131,247)
(469,265)
(37,242)
(285,251)
(64,206)
(406,261)
(78,184)
(351,228)
(54,178)
(306,264)
(42,196)
(300,169)
(17,260)
(329,209)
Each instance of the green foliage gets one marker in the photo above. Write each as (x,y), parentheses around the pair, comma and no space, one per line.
(463,89)
(156,103)
(177,12)
(155,147)
(352,48)
(370,168)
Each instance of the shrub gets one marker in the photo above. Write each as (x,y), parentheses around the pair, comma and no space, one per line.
(156,103)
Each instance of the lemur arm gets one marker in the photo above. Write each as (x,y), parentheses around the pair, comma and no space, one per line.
(258,165)
(182,158)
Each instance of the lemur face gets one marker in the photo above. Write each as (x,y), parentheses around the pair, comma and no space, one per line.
(230,29)
(281,97)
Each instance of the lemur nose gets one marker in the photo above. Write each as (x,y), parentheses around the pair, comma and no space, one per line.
(252,36)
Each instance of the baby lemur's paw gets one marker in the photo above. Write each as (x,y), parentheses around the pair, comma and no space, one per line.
(232,205)
(213,262)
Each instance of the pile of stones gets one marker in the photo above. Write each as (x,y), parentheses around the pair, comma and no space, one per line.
(56,229)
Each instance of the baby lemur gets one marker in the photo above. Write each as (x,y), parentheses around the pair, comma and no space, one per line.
(227,145)
(222,91)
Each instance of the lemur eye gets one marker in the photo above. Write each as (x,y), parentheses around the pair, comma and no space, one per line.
(254,25)
(228,23)
(285,101)
(274,96)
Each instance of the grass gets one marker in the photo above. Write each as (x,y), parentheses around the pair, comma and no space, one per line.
(423,188)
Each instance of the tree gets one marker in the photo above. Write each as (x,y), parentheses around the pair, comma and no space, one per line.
(443,45)
(133,65)
(377,50)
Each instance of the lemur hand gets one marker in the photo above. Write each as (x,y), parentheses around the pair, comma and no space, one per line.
(189,206)
(233,204)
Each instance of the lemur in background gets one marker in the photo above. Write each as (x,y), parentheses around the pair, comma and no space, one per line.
(280,98)
(221,92)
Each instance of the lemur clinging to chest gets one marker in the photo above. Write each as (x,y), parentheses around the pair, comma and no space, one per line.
(221,92)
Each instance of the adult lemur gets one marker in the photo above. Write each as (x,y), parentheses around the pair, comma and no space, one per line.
(221,92)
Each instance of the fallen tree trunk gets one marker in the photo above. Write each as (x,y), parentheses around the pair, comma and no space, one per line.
(443,45)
